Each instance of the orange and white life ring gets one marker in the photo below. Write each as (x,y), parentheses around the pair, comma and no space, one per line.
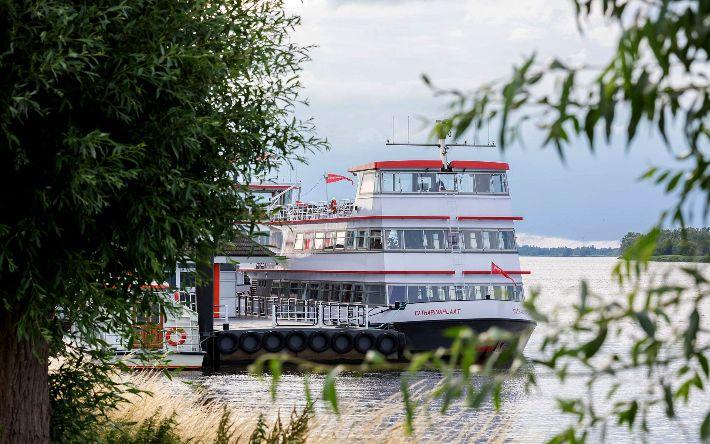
(171,332)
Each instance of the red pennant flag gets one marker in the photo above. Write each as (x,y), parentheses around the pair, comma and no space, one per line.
(330,178)
(301,204)
(497,270)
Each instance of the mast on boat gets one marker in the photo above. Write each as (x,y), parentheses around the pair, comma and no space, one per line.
(441,144)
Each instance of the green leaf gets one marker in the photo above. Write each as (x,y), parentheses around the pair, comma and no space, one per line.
(408,406)
(646,323)
(704,364)
(670,186)
(557,64)
(275,366)
(329,393)
(592,347)
(691,333)
(628,415)
(668,397)
(496,395)
(705,428)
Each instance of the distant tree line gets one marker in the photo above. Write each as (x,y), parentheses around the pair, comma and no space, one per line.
(529,250)
(695,242)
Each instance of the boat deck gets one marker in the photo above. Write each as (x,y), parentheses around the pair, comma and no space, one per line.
(259,323)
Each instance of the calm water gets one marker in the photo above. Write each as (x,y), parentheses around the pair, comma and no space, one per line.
(371,404)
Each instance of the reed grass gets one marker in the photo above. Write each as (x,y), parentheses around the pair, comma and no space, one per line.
(194,417)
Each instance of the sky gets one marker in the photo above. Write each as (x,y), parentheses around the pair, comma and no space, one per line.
(366,69)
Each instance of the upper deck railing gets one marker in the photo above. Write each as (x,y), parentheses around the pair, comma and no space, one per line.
(314,211)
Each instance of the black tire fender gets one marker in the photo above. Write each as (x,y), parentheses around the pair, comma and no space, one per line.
(296,341)
(387,343)
(227,343)
(341,342)
(250,342)
(364,342)
(273,341)
(318,341)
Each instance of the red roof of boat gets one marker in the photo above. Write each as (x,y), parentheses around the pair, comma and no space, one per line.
(430,164)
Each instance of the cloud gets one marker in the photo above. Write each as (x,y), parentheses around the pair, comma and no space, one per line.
(552,242)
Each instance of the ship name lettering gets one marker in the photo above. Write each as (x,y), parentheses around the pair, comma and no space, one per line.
(437,311)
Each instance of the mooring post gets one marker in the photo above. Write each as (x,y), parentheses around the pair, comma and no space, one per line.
(205,310)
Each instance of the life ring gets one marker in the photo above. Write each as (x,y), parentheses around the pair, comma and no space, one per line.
(333,206)
(169,336)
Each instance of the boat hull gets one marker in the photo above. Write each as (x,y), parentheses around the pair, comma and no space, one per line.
(430,335)
(168,361)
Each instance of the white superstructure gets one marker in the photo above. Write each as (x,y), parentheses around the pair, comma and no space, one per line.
(416,244)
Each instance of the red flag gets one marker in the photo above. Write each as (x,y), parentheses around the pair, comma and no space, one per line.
(330,178)
(497,270)
(301,204)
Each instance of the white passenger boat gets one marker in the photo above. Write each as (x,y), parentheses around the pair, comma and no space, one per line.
(426,244)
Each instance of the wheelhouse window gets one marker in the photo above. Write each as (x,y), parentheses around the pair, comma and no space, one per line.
(446,182)
(466,183)
(483,183)
(435,182)
(498,184)
(390,182)
(367,183)
(427,183)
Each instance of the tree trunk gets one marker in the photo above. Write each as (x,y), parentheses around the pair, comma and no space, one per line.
(24,390)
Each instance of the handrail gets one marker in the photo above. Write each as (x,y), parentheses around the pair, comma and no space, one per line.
(314,211)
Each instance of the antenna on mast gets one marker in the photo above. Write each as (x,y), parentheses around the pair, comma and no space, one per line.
(407,130)
(441,144)
(392,128)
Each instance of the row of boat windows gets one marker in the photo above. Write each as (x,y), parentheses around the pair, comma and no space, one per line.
(354,292)
(410,182)
(374,294)
(436,293)
(491,239)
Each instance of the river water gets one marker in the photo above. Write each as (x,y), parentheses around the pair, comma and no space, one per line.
(372,411)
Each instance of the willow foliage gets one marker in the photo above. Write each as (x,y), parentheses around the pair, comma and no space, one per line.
(124,128)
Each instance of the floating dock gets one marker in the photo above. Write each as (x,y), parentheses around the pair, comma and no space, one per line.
(308,330)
